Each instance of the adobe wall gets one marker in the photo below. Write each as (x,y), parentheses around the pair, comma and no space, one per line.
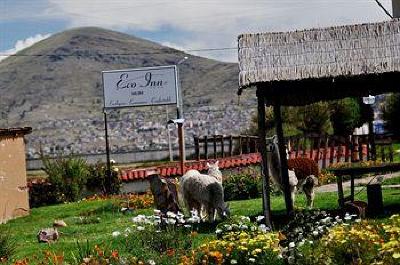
(13,191)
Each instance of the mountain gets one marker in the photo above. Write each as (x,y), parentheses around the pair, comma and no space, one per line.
(59,79)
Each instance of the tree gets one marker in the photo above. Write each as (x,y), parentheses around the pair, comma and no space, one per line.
(391,114)
(345,116)
(315,118)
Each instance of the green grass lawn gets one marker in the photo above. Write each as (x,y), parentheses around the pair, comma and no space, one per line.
(392,181)
(24,229)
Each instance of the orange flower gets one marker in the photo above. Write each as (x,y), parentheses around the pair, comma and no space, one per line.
(170,252)
(114,254)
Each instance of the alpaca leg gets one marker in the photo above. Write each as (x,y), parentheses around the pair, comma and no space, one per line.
(293,194)
(211,214)
(310,194)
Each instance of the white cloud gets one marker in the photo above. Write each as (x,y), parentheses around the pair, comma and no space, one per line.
(22,44)
(213,24)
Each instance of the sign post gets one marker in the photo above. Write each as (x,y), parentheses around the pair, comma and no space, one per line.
(140,87)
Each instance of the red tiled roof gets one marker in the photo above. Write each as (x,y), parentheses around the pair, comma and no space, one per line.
(128,175)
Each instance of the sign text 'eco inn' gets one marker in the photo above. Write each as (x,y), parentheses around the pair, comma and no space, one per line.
(140,87)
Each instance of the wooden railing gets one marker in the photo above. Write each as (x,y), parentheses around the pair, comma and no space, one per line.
(324,149)
(216,146)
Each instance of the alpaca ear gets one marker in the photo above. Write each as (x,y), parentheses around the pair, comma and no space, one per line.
(216,163)
(208,165)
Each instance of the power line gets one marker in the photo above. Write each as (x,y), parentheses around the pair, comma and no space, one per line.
(383,8)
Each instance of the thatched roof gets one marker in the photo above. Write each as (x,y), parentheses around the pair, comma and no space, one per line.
(352,60)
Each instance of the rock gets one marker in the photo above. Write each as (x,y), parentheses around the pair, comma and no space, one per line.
(59,223)
(47,235)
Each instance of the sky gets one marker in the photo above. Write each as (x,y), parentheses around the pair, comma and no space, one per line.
(207,28)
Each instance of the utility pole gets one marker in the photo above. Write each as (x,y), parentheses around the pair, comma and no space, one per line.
(181,133)
(396,8)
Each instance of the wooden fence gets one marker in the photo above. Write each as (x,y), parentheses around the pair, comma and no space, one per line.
(324,149)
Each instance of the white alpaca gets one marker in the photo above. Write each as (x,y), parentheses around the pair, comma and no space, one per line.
(199,190)
(307,183)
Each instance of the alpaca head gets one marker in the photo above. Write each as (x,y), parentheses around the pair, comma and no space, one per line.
(224,211)
(213,170)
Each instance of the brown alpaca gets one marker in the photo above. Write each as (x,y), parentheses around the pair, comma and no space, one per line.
(303,172)
(307,173)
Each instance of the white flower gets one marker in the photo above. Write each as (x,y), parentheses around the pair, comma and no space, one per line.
(280,256)
(140,228)
(157,212)
(194,213)
(171,221)
(263,228)
(127,230)
(244,227)
(252,260)
(139,219)
(233,261)
(123,209)
(228,227)
(315,233)
(218,231)
(116,233)
(259,218)
(151,262)
(292,245)
(301,243)
(358,220)
(310,242)
(245,218)
(347,218)
(179,214)
(187,226)
(171,214)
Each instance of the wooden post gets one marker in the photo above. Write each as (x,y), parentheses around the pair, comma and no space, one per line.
(240,145)
(230,145)
(197,147)
(352,187)
(205,148)
(222,146)
(396,8)
(339,180)
(262,134)
(282,154)
(331,150)
(215,146)
(108,162)
(324,155)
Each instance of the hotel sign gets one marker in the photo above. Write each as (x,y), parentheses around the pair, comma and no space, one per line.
(140,87)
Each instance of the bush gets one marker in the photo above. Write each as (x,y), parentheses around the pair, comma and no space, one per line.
(243,185)
(42,194)
(98,179)
(7,245)
(68,176)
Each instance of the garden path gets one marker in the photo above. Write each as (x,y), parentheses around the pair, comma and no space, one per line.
(346,184)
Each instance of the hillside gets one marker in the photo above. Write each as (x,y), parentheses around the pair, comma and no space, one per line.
(59,87)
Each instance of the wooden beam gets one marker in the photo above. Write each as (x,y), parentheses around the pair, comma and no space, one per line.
(282,154)
(262,134)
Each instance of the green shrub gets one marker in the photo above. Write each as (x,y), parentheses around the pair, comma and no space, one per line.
(42,194)
(243,185)
(7,245)
(98,179)
(68,176)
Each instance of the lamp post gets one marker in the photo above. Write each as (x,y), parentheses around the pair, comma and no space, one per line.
(370,100)
(179,115)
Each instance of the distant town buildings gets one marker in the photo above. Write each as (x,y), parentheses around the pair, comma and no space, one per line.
(134,130)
